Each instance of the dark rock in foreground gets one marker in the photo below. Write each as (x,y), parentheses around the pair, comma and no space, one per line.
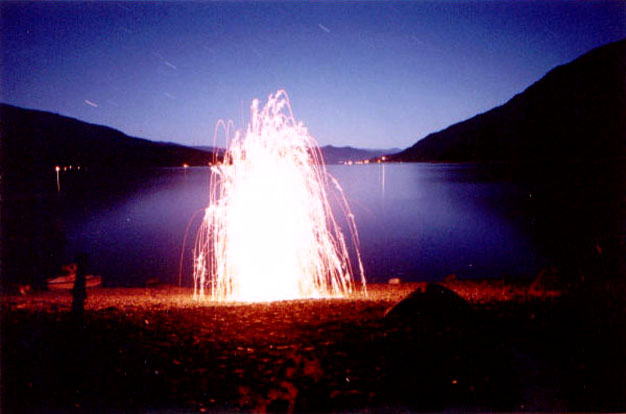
(443,353)
(436,303)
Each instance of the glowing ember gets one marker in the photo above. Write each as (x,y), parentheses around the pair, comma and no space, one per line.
(269,232)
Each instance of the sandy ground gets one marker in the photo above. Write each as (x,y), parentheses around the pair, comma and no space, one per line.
(512,349)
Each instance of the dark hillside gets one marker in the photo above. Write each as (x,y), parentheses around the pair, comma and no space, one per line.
(34,142)
(575,112)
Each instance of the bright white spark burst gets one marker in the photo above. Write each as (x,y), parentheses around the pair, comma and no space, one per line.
(269,232)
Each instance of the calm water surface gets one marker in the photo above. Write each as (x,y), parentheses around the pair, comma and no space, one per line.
(415,221)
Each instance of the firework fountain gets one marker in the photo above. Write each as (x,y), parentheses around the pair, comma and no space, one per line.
(268,232)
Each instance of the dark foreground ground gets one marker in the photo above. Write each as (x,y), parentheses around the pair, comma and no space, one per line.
(502,347)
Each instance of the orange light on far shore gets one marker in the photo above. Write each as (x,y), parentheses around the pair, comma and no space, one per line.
(57,169)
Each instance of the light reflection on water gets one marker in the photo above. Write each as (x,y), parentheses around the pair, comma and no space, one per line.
(423,222)
(415,221)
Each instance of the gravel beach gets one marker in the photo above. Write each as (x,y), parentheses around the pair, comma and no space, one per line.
(512,348)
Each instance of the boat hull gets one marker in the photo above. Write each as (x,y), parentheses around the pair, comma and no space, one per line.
(67,282)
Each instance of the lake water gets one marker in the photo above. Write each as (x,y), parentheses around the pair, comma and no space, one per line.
(415,221)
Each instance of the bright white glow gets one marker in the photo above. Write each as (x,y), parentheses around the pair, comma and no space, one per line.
(269,232)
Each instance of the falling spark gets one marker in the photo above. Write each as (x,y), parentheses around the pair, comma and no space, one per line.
(88,102)
(269,232)
(324,28)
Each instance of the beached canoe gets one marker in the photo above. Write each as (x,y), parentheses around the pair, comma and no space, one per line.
(67,282)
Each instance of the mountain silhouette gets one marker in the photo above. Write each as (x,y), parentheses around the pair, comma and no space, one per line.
(576,112)
(339,155)
(333,154)
(34,142)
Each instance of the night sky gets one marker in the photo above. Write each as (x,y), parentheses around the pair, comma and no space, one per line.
(366,74)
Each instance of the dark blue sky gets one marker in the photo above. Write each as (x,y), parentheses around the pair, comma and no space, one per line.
(368,74)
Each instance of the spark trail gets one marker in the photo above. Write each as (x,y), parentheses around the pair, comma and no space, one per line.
(268,232)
